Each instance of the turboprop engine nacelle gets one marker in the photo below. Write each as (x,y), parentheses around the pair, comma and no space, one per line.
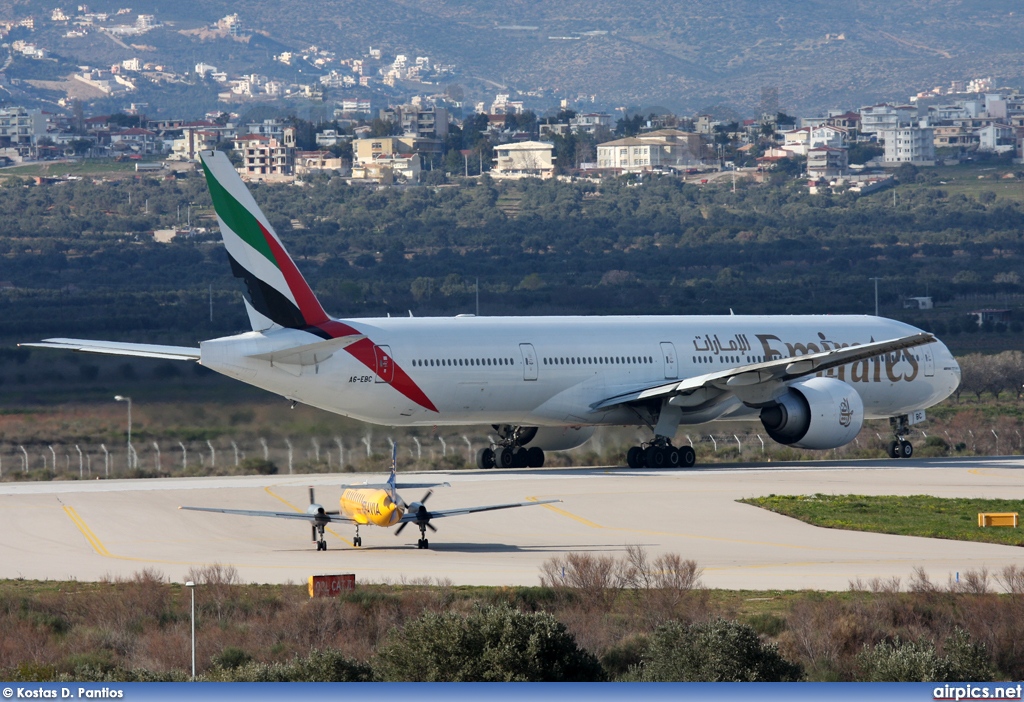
(819,413)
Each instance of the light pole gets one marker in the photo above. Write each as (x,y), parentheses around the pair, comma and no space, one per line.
(192,587)
(122,398)
(876,294)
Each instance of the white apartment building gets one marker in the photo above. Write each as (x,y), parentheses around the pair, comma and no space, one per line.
(264,156)
(879,118)
(801,141)
(630,155)
(526,159)
(997,137)
(826,162)
(20,126)
(910,144)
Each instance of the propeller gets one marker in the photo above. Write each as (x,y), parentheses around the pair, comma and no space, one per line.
(422,515)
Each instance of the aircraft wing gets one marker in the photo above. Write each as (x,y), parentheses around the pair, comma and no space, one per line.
(398,486)
(437,514)
(778,370)
(326,517)
(117,348)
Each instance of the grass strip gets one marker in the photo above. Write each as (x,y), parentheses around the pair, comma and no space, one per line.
(906,515)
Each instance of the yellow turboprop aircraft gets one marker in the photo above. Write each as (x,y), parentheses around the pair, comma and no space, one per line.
(369,504)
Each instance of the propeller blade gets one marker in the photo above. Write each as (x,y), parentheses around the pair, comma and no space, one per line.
(400,527)
(312,500)
(431,527)
(313,530)
(426,497)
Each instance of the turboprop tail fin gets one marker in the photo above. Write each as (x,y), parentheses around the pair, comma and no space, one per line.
(278,295)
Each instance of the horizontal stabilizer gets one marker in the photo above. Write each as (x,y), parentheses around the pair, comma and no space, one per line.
(116,348)
(309,354)
(398,486)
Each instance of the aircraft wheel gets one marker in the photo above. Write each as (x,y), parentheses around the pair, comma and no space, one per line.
(906,449)
(535,457)
(635,457)
(894,451)
(673,456)
(357,542)
(485,458)
(504,458)
(426,544)
(687,457)
(520,457)
(655,457)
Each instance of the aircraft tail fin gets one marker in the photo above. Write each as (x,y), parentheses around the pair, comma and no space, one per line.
(278,295)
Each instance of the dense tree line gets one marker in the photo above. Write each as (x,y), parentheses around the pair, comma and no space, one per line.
(82,251)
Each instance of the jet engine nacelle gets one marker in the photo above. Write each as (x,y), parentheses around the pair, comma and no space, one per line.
(819,413)
(560,438)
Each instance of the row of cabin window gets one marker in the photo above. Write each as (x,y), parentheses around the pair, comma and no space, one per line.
(758,359)
(434,362)
(727,359)
(592,360)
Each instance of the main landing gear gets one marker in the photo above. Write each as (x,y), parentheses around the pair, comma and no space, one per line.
(660,454)
(358,540)
(899,447)
(318,537)
(510,451)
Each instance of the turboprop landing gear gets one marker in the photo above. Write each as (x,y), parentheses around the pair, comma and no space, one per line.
(660,453)
(900,447)
(321,542)
(510,451)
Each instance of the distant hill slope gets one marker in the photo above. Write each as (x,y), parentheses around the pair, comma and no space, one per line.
(682,55)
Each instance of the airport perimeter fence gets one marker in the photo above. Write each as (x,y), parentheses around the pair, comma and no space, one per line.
(370,453)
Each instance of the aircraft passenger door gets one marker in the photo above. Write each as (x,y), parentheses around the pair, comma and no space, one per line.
(384,365)
(529,361)
(668,355)
(929,361)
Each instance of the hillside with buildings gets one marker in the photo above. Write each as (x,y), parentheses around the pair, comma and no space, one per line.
(733,55)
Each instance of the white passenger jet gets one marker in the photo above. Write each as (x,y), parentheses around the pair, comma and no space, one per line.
(545,383)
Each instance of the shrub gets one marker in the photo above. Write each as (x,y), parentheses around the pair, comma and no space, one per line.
(319,666)
(492,644)
(257,466)
(918,661)
(716,651)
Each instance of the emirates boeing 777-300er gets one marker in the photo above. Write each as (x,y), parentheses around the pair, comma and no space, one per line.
(545,383)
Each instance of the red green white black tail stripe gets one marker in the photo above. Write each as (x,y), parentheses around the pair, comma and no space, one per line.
(276,288)
(277,291)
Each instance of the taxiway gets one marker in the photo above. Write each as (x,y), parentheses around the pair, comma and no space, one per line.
(89,530)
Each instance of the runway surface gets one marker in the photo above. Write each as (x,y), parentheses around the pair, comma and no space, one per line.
(90,530)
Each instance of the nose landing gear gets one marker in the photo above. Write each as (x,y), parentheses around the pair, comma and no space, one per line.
(899,447)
